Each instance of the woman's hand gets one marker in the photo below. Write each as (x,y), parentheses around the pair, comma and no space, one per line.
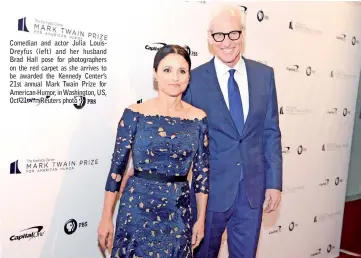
(106,234)
(197,233)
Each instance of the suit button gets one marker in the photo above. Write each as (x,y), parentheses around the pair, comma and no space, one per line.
(238,164)
(240,141)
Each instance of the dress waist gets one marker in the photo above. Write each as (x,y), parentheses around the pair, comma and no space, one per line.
(160,178)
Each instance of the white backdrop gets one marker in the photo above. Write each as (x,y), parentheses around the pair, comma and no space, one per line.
(316,118)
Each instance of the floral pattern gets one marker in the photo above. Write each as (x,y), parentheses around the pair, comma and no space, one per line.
(154,217)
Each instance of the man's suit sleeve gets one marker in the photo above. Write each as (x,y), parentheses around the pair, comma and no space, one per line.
(187,96)
(272,141)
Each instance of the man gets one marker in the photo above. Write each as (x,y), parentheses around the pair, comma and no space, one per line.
(239,97)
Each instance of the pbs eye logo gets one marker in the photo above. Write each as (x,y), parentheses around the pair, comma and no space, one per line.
(292,226)
(301,149)
(72,225)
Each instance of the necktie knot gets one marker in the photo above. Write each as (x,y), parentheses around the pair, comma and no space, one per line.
(231,72)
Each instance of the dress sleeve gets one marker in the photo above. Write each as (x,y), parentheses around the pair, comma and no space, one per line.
(200,179)
(123,144)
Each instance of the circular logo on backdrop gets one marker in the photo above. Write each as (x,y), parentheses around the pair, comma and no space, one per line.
(344,112)
(337,180)
(300,150)
(353,41)
(308,71)
(291,226)
(70,226)
(80,102)
(329,248)
(260,15)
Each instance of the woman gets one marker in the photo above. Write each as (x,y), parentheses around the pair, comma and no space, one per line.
(167,138)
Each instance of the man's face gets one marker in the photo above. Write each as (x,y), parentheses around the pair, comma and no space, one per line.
(228,51)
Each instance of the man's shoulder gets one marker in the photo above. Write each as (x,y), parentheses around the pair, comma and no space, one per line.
(200,69)
(257,65)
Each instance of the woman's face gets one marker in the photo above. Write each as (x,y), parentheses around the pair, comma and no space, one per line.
(172,75)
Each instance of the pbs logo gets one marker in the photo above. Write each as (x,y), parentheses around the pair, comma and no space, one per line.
(72,225)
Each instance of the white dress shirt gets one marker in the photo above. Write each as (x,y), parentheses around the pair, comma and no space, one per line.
(241,78)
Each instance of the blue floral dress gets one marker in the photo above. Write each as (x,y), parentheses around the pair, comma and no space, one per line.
(154,217)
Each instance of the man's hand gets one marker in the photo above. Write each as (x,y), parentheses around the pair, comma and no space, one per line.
(272,200)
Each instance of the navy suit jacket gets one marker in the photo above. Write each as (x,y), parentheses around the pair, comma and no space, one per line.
(257,150)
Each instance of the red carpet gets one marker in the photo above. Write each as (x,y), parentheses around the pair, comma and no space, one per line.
(351,229)
(345,256)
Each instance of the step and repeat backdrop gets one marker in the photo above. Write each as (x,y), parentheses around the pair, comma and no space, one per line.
(69,69)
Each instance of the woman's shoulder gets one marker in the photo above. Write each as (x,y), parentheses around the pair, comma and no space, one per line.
(196,113)
(139,108)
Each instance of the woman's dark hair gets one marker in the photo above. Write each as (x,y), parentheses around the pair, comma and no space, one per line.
(171,49)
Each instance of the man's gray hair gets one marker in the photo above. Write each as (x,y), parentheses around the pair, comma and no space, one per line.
(232,10)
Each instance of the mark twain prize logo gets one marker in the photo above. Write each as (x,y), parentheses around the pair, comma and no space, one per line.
(322,217)
(303,28)
(343,75)
(287,189)
(30,166)
(55,29)
(22,25)
(292,110)
(334,147)
(157,45)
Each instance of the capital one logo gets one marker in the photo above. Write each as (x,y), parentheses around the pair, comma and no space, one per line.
(29,234)
(286,150)
(325,183)
(275,230)
(332,111)
(293,68)
(158,45)
(341,37)
(22,25)
(318,252)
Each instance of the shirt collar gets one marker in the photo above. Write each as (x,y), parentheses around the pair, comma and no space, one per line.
(223,69)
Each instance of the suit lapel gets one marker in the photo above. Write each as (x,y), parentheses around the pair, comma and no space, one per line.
(215,90)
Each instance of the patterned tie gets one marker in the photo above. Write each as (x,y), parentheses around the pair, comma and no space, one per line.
(235,102)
